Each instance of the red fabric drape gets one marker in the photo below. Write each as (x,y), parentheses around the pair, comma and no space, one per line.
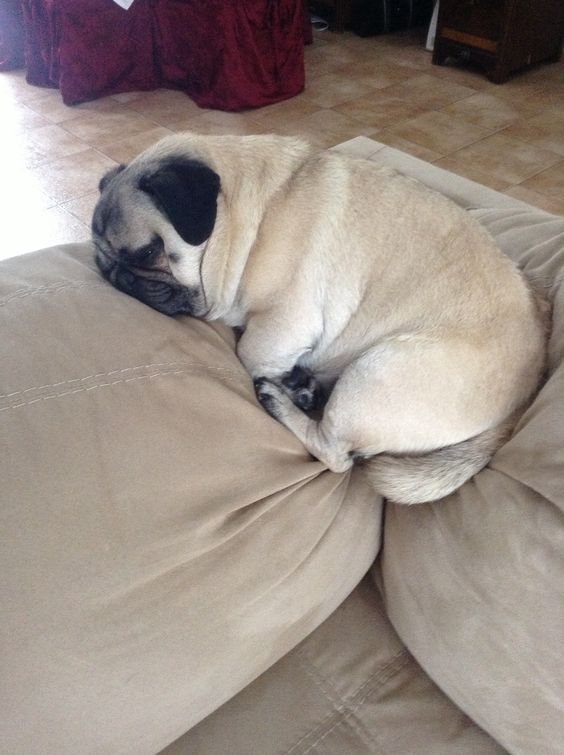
(231,55)
(224,54)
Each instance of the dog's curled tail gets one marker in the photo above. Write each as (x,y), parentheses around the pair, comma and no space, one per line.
(427,477)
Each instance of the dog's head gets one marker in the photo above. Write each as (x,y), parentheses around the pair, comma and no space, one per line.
(151,227)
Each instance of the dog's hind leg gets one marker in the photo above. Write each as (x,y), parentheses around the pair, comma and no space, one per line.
(304,390)
(398,398)
(328,447)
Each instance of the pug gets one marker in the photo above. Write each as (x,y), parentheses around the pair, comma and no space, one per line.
(380,322)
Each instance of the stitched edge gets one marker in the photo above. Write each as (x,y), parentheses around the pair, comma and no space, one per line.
(334,698)
(51,289)
(231,378)
(98,375)
(396,665)
(352,703)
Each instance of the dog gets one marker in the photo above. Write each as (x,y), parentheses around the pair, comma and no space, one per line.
(380,322)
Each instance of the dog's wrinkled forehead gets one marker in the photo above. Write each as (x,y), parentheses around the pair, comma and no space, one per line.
(138,200)
(124,217)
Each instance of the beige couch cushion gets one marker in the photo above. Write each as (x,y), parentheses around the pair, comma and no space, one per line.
(475,584)
(351,688)
(164,541)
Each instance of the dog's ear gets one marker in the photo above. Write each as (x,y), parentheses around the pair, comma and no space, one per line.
(186,192)
(109,177)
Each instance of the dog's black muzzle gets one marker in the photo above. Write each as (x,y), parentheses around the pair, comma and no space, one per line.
(153,287)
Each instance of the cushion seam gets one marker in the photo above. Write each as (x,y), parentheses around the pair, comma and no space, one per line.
(120,371)
(339,703)
(53,288)
(349,704)
(122,381)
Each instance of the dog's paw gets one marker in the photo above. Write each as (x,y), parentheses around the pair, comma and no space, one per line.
(269,396)
(304,390)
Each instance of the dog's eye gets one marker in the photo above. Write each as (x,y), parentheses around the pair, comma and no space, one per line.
(148,255)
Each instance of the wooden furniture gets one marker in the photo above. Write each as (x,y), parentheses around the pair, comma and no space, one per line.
(500,35)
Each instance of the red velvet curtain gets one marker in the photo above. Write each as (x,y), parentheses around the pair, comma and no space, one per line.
(226,55)
(231,55)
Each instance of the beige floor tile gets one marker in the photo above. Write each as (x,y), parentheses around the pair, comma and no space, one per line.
(359,147)
(379,109)
(125,97)
(491,112)
(22,194)
(467,169)
(83,207)
(546,74)
(440,132)
(319,139)
(17,151)
(429,93)
(534,94)
(545,130)
(375,73)
(505,159)
(13,83)
(16,116)
(166,107)
(102,128)
(461,73)
(317,68)
(332,122)
(55,142)
(125,149)
(333,89)
(72,177)
(221,122)
(49,227)
(417,150)
(31,147)
(54,110)
(555,206)
(205,124)
(284,113)
(549,182)
(329,57)
(414,58)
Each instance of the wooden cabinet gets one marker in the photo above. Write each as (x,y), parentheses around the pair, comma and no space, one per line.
(502,36)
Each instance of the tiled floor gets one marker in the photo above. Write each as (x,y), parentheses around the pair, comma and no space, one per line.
(509,137)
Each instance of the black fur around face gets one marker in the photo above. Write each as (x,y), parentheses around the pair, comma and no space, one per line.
(157,289)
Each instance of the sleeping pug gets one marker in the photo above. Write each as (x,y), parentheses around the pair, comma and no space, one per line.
(348,281)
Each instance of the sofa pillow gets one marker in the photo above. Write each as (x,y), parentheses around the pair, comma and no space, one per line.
(474,584)
(164,541)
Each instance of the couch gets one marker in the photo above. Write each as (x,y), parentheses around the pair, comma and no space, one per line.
(179,576)
(225,55)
